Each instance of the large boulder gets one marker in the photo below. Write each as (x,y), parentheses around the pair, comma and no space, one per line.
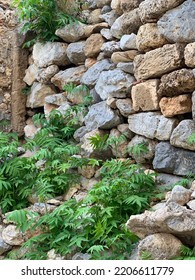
(178,25)
(160,61)
(152,125)
(173,160)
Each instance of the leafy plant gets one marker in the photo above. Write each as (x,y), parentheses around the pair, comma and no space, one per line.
(186,253)
(138,149)
(191,138)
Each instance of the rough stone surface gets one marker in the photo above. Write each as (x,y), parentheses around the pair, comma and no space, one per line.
(124,129)
(127,67)
(125,107)
(4,247)
(180,195)
(127,5)
(12,236)
(160,246)
(145,96)
(181,134)
(71,75)
(189,55)
(109,47)
(158,62)
(177,25)
(176,105)
(128,42)
(93,45)
(151,10)
(152,125)
(128,23)
(50,53)
(125,56)
(173,219)
(110,17)
(113,83)
(30,74)
(75,52)
(101,116)
(163,179)
(149,37)
(30,130)
(148,143)
(92,74)
(56,99)
(106,33)
(173,160)
(177,82)
(44,75)
(37,95)
(191,204)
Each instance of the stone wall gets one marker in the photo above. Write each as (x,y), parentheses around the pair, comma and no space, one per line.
(137,59)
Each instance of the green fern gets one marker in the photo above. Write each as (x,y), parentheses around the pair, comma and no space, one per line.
(138,149)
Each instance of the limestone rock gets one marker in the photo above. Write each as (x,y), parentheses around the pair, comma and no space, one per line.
(177,82)
(119,150)
(160,246)
(90,61)
(180,195)
(128,23)
(113,83)
(128,42)
(173,160)
(56,99)
(38,93)
(157,62)
(93,45)
(77,95)
(126,67)
(30,74)
(92,74)
(125,107)
(163,179)
(181,134)
(101,116)
(149,37)
(191,204)
(151,10)
(4,247)
(109,47)
(71,75)
(87,171)
(75,52)
(106,33)
(145,156)
(80,132)
(127,5)
(176,105)
(30,130)
(12,236)
(50,53)
(94,17)
(152,125)
(125,56)
(145,96)
(110,17)
(189,55)
(44,75)
(124,129)
(177,25)
(71,191)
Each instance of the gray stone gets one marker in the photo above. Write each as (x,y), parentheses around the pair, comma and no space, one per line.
(106,33)
(109,47)
(127,5)
(151,10)
(152,125)
(128,42)
(128,23)
(4,247)
(44,75)
(95,97)
(143,157)
(125,107)
(101,116)
(12,236)
(75,52)
(173,160)
(126,67)
(180,195)
(56,99)
(124,129)
(72,33)
(109,17)
(80,132)
(178,25)
(114,83)
(50,53)
(181,134)
(92,74)
(191,204)
(81,256)
(30,74)
(163,179)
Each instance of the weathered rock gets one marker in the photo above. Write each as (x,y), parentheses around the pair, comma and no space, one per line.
(181,134)
(94,17)
(39,91)
(177,25)
(176,105)
(86,171)
(125,107)
(127,5)
(191,204)
(92,74)
(189,55)
(71,191)
(48,108)
(160,246)
(81,256)
(151,10)
(87,184)
(109,47)
(127,67)
(30,74)
(78,95)
(113,83)
(173,219)
(75,52)
(180,195)
(145,95)
(149,37)
(93,45)
(90,61)
(152,125)
(106,33)
(56,99)
(102,3)
(71,75)
(125,56)
(44,75)
(12,236)
(157,62)
(101,116)
(110,17)
(173,160)
(30,130)
(177,82)
(163,179)
(111,102)
(80,132)
(128,42)
(124,129)
(51,255)
(119,148)
(128,23)
(50,53)
(4,247)
(143,157)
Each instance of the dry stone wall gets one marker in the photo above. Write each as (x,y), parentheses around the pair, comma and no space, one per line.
(138,60)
